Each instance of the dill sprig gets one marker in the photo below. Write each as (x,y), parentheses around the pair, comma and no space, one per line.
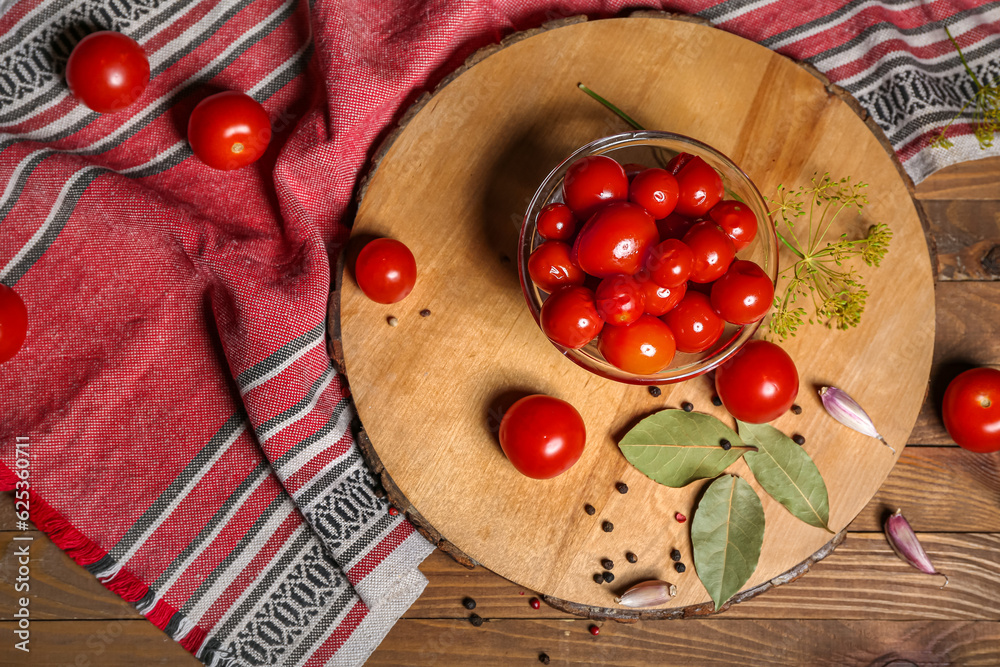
(820,279)
(986,111)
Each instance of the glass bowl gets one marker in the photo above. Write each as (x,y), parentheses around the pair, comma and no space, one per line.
(654,149)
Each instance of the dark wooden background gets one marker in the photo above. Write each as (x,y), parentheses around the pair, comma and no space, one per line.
(860,606)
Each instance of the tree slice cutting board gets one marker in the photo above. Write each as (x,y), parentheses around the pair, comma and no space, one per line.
(454,185)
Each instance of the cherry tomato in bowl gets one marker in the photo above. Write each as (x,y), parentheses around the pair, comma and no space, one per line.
(593,181)
(13,323)
(971,410)
(107,71)
(229,130)
(542,436)
(743,294)
(385,270)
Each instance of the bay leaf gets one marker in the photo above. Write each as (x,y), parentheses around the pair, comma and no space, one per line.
(787,473)
(675,448)
(727,532)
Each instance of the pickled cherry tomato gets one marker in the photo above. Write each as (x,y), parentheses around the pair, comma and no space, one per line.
(644,347)
(569,317)
(670,263)
(736,220)
(744,294)
(615,240)
(550,267)
(699,186)
(695,324)
(620,300)
(713,251)
(661,300)
(591,182)
(556,222)
(674,226)
(655,190)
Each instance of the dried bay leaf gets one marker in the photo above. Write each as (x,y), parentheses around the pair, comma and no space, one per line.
(787,473)
(675,448)
(727,532)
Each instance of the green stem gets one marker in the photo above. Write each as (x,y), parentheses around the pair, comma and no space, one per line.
(790,246)
(621,114)
(961,57)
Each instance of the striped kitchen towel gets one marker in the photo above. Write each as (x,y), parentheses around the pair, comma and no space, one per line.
(185,436)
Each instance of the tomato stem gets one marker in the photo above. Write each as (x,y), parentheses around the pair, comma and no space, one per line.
(618,112)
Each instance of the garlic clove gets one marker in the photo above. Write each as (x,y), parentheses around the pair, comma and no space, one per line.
(843,408)
(650,593)
(904,542)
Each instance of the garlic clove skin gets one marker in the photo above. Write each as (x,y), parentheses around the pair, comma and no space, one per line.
(904,542)
(843,408)
(650,593)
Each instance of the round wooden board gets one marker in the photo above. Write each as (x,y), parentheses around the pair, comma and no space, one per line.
(453,186)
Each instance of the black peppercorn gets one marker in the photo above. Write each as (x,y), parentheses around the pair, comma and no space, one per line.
(687,407)
(679,567)
(469,603)
(716,401)
(475,619)
(654,391)
(796,409)
(543,658)
(607,526)
(726,445)
(798,439)
(630,557)
(589,509)
(607,564)
(675,555)
(598,578)
(608,577)
(622,487)
(425,313)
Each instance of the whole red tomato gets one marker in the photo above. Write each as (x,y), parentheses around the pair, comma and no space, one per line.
(670,263)
(615,240)
(620,300)
(592,182)
(542,436)
(972,410)
(569,317)
(759,383)
(13,323)
(713,251)
(695,323)
(229,130)
(661,300)
(550,267)
(644,347)
(655,190)
(699,186)
(107,71)
(744,294)
(737,221)
(556,222)
(385,270)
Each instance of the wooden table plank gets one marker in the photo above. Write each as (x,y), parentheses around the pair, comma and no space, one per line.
(103,643)
(978,179)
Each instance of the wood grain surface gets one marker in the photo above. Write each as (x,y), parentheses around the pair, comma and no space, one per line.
(430,391)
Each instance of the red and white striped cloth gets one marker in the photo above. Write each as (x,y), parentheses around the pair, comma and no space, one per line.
(189,442)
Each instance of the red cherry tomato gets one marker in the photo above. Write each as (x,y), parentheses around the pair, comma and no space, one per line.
(550,267)
(542,436)
(615,240)
(661,300)
(736,220)
(620,300)
(569,317)
(591,182)
(699,186)
(759,383)
(13,323)
(695,323)
(670,263)
(229,130)
(385,270)
(644,347)
(674,226)
(655,190)
(713,251)
(972,410)
(556,222)
(107,71)
(744,294)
